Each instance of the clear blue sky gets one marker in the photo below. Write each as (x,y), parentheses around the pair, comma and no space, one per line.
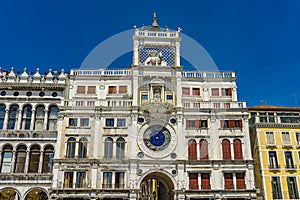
(257,39)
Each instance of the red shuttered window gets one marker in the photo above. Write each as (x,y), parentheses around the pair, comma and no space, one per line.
(192,150)
(193,181)
(237,147)
(203,150)
(226,150)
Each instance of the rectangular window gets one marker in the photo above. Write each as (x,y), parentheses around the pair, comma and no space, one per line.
(122,89)
(68,180)
(270,138)
(112,89)
(215,92)
(110,122)
(84,122)
(226,92)
(80,182)
(121,122)
(107,180)
(6,162)
(196,123)
(119,180)
(91,89)
(271,117)
(169,97)
(185,91)
(273,160)
(193,181)
(196,91)
(298,139)
(205,181)
(293,189)
(144,97)
(286,138)
(289,160)
(72,122)
(263,117)
(231,124)
(240,181)
(276,188)
(80,89)
(228,181)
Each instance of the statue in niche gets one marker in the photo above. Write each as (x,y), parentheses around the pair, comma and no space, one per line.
(156,95)
(155,59)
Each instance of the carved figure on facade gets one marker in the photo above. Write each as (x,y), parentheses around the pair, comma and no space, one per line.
(155,59)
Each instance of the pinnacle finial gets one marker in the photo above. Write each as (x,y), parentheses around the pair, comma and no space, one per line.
(154,15)
(154,21)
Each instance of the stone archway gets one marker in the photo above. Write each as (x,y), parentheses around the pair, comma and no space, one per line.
(156,186)
(9,193)
(37,193)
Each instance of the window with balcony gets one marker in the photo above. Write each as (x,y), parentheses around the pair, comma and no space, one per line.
(240,181)
(203,149)
(68,179)
(6,159)
(34,159)
(289,117)
(112,89)
(196,91)
(215,92)
(238,149)
(84,122)
(73,122)
(108,147)
(273,163)
(205,181)
(13,117)
(71,143)
(2,116)
(48,159)
(286,140)
(80,89)
(226,92)
(270,138)
(228,181)
(185,91)
(119,180)
(276,188)
(122,89)
(192,150)
(121,122)
(120,148)
(193,181)
(20,159)
(107,180)
(293,189)
(81,179)
(91,90)
(110,122)
(82,151)
(226,149)
(289,160)
(39,118)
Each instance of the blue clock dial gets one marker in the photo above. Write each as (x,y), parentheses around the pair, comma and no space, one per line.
(157,138)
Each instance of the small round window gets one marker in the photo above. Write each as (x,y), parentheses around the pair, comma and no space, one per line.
(3,93)
(29,94)
(54,94)
(141,120)
(42,94)
(16,94)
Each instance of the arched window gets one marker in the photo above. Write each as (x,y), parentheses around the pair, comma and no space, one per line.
(71,147)
(26,117)
(20,159)
(34,159)
(13,117)
(108,147)
(237,147)
(6,159)
(192,150)
(2,116)
(48,159)
(226,150)
(39,118)
(120,148)
(82,148)
(203,150)
(52,118)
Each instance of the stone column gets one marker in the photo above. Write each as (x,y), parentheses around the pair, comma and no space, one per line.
(27,161)
(41,162)
(198,149)
(45,120)
(234,181)
(6,119)
(19,119)
(94,176)
(97,140)
(231,150)
(177,61)
(32,120)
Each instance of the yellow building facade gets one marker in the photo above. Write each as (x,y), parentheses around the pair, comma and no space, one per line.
(275,142)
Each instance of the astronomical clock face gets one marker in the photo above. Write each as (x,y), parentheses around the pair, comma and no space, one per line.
(157,140)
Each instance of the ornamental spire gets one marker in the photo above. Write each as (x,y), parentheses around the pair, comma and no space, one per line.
(154,24)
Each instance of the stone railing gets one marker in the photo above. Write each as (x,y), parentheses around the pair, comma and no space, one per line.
(82,72)
(208,75)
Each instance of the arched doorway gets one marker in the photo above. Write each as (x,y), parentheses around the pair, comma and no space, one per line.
(156,186)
